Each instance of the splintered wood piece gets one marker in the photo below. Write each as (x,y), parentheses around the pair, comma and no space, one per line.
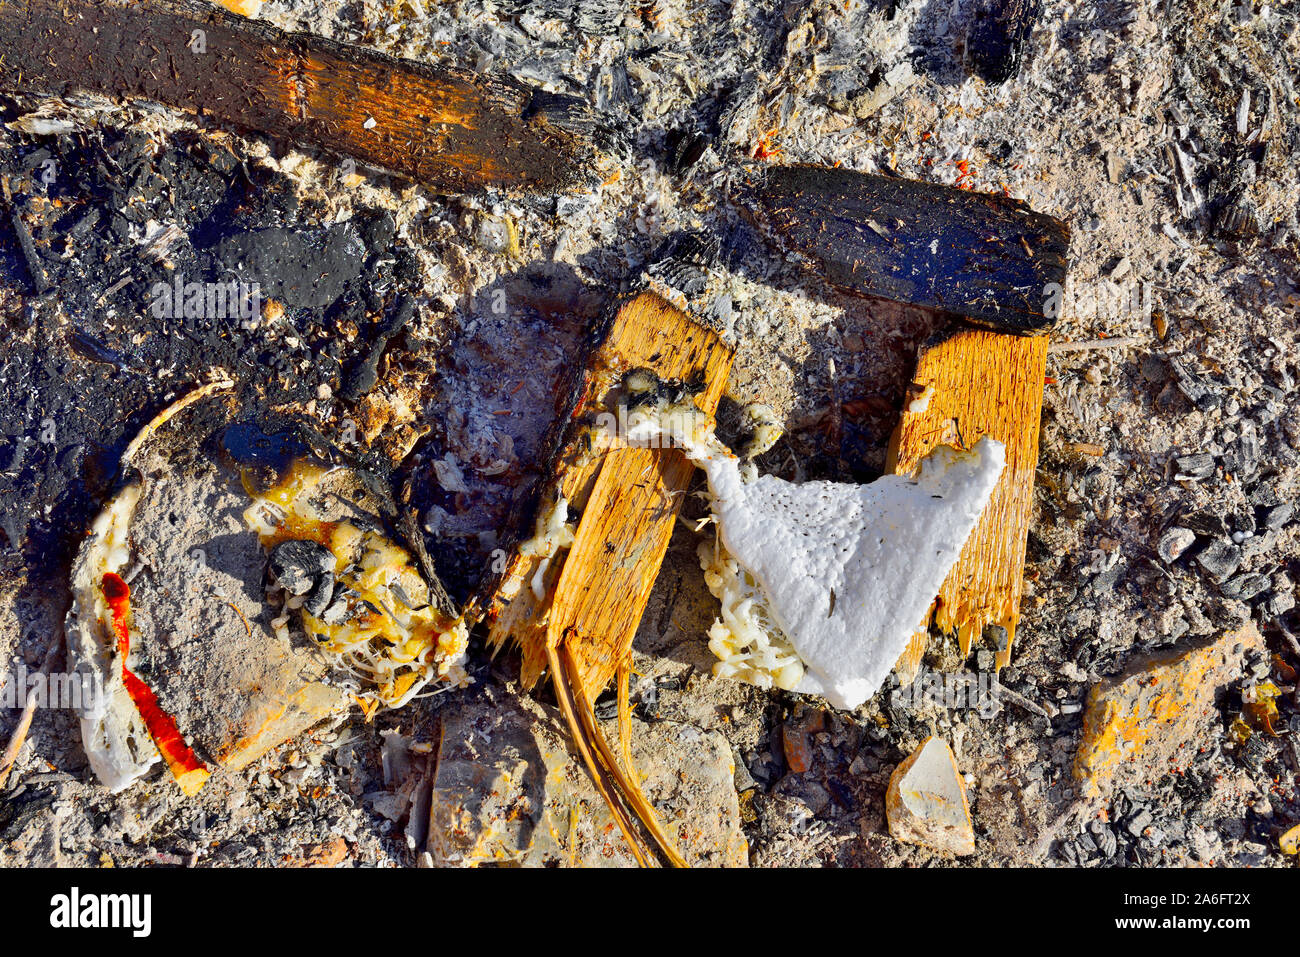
(627,522)
(968,385)
(606,785)
(639,496)
(989,259)
(621,792)
(909,662)
(451,130)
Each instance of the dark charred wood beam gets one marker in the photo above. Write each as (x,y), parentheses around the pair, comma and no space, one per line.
(451,130)
(999,35)
(40,281)
(988,259)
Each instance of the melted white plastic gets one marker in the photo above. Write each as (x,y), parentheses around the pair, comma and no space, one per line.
(117,743)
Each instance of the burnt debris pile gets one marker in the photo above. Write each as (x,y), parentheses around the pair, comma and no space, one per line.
(137,267)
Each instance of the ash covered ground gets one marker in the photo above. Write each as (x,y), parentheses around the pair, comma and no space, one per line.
(1165,134)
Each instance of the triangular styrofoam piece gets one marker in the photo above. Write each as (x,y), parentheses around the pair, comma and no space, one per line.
(847,571)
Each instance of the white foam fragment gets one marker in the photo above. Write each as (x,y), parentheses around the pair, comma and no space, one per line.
(846,571)
(117,743)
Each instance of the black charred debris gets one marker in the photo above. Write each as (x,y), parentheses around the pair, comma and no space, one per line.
(130,269)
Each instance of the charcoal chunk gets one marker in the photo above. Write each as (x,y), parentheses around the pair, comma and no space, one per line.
(682,263)
(1258,544)
(684,149)
(1277,604)
(1103,837)
(999,34)
(1209,524)
(1237,218)
(364,376)
(1245,586)
(1194,467)
(1139,822)
(319,597)
(1277,516)
(1198,389)
(1220,559)
(297,565)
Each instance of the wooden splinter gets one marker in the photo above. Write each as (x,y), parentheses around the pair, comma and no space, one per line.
(641,494)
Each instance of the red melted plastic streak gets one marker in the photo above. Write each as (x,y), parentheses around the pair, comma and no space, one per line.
(162,727)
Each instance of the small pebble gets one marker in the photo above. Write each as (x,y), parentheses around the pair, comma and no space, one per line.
(1174,542)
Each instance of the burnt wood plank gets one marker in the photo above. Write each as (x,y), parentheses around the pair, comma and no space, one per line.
(989,259)
(998,36)
(451,130)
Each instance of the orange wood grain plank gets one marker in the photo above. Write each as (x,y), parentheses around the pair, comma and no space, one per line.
(620,546)
(983,383)
(632,495)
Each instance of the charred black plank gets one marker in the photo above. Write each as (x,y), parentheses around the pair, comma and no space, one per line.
(998,36)
(451,130)
(988,259)
(40,281)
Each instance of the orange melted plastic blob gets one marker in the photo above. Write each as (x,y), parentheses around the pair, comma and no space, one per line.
(190,773)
